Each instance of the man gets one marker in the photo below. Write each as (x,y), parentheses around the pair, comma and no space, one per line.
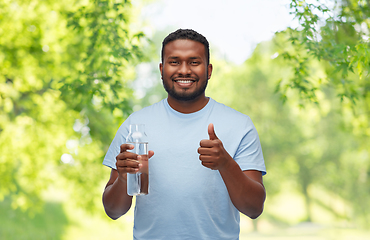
(200,178)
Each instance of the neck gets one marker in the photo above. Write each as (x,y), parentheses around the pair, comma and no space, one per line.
(188,106)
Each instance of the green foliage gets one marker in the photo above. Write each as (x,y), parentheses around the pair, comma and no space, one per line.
(65,68)
(106,46)
(338,35)
(16,225)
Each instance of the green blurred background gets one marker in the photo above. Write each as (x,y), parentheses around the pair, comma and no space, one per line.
(72,71)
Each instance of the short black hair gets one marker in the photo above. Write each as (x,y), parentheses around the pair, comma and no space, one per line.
(186,34)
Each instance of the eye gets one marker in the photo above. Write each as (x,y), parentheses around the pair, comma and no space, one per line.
(173,62)
(194,63)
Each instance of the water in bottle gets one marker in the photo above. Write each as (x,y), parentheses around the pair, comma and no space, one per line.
(138,183)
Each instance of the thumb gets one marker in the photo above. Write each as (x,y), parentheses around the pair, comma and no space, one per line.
(211,132)
(150,154)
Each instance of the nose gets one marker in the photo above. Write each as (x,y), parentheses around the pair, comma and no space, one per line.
(184,69)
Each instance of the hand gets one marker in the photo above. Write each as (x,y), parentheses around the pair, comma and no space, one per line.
(128,162)
(212,152)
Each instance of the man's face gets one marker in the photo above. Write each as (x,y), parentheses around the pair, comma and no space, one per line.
(185,71)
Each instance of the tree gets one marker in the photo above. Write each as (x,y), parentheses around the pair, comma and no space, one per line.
(64,71)
(336,34)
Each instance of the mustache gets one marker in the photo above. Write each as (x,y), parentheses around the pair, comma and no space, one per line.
(185,78)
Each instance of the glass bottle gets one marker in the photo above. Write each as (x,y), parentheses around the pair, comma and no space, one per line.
(138,183)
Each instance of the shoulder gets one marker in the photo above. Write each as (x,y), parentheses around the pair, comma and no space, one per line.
(154,108)
(229,120)
(228,112)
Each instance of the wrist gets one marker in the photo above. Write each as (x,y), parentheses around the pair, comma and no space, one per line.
(122,178)
(229,165)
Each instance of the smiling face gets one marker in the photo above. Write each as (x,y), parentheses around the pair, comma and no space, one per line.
(185,70)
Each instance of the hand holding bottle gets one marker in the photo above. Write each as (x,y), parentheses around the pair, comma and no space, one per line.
(127,162)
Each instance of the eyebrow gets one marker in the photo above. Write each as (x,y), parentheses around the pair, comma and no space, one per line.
(174,57)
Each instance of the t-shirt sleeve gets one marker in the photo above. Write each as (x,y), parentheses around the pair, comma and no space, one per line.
(249,153)
(114,148)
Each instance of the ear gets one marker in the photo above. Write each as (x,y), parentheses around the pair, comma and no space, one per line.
(210,67)
(160,69)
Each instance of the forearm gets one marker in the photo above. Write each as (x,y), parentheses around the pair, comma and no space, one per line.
(246,192)
(115,199)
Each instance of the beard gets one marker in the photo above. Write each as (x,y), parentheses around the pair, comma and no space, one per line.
(184,95)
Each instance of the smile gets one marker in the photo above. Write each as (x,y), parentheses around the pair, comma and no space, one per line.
(184,81)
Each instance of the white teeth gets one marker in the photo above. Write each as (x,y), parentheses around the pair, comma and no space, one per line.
(184,81)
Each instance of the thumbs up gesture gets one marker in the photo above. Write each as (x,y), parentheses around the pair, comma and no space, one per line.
(212,152)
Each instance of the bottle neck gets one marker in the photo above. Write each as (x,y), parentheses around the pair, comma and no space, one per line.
(137,128)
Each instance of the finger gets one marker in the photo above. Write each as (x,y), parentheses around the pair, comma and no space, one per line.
(211,132)
(132,163)
(126,155)
(206,158)
(150,154)
(125,147)
(127,166)
(206,143)
(205,151)
(209,165)
(128,169)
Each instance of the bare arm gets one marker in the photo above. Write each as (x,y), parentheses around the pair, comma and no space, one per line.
(245,189)
(116,201)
